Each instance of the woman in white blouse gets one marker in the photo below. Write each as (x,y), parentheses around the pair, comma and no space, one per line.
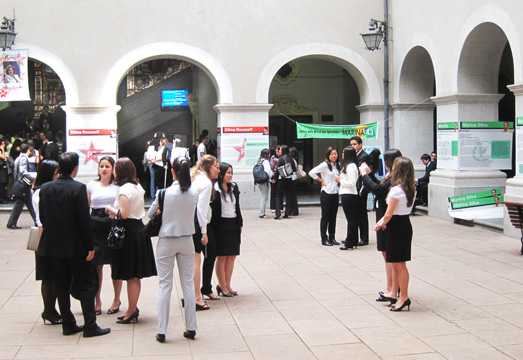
(100,193)
(326,173)
(349,194)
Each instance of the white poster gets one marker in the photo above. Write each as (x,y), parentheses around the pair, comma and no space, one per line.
(448,145)
(519,146)
(92,145)
(14,77)
(242,145)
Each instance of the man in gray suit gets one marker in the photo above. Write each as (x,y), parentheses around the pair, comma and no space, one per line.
(21,171)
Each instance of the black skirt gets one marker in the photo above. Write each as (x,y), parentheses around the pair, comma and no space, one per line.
(398,239)
(136,258)
(210,248)
(228,237)
(100,226)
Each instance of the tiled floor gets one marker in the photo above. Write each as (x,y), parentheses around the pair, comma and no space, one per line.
(301,300)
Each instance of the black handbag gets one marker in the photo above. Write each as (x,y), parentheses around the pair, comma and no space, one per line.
(152,228)
(21,188)
(116,235)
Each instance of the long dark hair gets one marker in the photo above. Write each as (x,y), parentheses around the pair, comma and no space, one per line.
(349,157)
(327,154)
(45,172)
(403,175)
(111,161)
(125,172)
(374,160)
(389,157)
(182,171)
(223,170)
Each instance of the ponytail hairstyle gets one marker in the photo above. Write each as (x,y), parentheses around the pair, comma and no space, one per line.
(182,171)
(327,154)
(403,175)
(349,157)
(223,170)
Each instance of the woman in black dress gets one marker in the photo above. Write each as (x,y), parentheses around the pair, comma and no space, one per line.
(227,223)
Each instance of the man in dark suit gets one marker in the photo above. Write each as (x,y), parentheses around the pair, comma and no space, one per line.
(362,217)
(67,239)
(422,183)
(50,149)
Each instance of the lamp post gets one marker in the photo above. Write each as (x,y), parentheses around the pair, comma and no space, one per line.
(380,30)
(7,33)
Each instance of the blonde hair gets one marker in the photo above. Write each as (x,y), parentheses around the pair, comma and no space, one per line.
(403,175)
(204,164)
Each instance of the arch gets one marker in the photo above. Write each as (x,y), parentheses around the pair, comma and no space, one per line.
(53,61)
(355,64)
(159,50)
(485,31)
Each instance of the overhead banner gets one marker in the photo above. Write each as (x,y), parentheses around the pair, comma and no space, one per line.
(484,204)
(14,77)
(315,131)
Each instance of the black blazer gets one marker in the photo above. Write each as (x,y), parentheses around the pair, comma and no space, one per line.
(428,169)
(216,207)
(380,190)
(363,157)
(64,214)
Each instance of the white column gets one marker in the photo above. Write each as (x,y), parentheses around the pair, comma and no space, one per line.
(91,131)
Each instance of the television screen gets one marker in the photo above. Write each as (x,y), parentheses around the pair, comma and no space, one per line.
(174,100)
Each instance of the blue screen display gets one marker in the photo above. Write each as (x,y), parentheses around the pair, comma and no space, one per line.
(174,98)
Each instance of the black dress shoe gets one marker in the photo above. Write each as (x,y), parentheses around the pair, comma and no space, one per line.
(160,338)
(189,334)
(14,227)
(334,242)
(326,243)
(363,243)
(98,331)
(74,330)
(285,216)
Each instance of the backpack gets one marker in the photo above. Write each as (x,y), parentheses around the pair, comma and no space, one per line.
(259,174)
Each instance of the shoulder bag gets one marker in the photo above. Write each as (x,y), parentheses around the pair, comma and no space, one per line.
(116,235)
(152,228)
(286,169)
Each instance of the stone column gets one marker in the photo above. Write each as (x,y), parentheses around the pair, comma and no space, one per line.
(91,131)
(242,116)
(446,182)
(514,189)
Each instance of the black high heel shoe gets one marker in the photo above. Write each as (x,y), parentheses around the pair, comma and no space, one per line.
(111,311)
(134,317)
(220,291)
(383,298)
(189,334)
(51,321)
(406,303)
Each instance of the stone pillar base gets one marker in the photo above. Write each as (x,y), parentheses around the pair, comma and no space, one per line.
(445,183)
(513,193)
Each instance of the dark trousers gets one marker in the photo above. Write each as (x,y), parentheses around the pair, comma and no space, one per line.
(284,186)
(17,210)
(348,202)
(329,210)
(78,278)
(362,218)
(274,191)
(294,201)
(209,252)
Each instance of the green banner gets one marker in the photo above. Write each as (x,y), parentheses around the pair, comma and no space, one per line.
(480,198)
(484,125)
(314,131)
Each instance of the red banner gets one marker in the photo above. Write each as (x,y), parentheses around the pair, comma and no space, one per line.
(74,132)
(245,129)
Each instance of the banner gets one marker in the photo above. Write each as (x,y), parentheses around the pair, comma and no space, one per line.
(315,131)
(14,77)
(484,204)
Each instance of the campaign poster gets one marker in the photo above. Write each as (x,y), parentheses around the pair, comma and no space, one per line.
(485,204)
(92,145)
(14,84)
(447,144)
(242,145)
(519,145)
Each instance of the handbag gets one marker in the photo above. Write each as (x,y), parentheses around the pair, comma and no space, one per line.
(34,238)
(152,228)
(21,188)
(286,169)
(116,235)
(300,172)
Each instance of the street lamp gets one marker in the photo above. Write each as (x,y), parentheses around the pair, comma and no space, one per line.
(379,30)
(7,33)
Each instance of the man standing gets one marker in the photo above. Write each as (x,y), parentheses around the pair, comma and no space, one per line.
(67,239)
(202,150)
(21,188)
(422,183)
(362,217)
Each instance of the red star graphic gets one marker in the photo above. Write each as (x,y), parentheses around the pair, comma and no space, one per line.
(90,154)
(241,150)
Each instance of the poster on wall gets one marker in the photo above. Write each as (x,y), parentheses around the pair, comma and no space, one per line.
(475,145)
(519,145)
(14,84)
(241,145)
(486,204)
(92,145)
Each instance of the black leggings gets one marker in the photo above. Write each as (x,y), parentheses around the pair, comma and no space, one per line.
(329,211)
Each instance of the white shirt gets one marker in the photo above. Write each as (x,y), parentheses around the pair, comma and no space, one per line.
(36,202)
(348,180)
(101,196)
(179,152)
(267,168)
(228,206)
(396,192)
(201,149)
(136,202)
(330,186)
(203,186)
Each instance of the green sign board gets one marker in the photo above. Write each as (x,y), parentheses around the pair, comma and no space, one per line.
(484,125)
(315,131)
(480,198)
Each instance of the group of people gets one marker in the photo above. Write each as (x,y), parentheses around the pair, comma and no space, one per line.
(200,215)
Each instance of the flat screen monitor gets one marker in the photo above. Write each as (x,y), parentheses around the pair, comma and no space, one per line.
(173,100)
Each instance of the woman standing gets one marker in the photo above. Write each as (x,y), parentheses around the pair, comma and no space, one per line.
(284,183)
(274,179)
(227,223)
(135,260)
(293,152)
(205,171)
(349,194)
(264,188)
(3,172)
(326,173)
(175,242)
(380,189)
(44,269)
(100,193)
(398,229)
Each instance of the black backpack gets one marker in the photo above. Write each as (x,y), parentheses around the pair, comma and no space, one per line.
(259,174)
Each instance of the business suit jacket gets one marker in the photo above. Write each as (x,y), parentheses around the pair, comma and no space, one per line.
(216,207)
(363,157)
(380,190)
(64,214)
(21,168)
(431,166)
